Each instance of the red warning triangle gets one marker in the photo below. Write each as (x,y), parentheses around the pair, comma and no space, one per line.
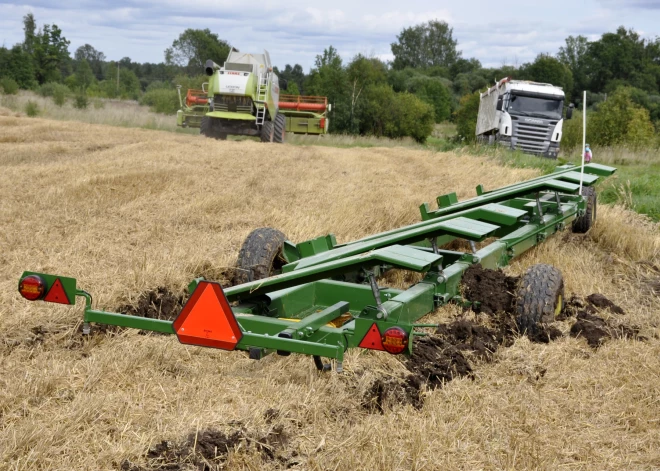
(372,339)
(207,319)
(56,294)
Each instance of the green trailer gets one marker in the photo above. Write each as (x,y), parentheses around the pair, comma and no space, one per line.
(320,298)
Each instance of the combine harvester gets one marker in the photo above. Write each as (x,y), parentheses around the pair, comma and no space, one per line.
(321,298)
(243,98)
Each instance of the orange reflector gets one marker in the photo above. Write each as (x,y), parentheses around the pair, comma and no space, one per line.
(32,287)
(395,340)
(207,319)
(372,339)
(56,294)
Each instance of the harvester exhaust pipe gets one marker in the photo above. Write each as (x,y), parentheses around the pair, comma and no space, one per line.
(211,67)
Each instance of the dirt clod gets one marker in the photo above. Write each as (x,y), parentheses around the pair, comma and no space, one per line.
(492,290)
(207,450)
(597,330)
(160,303)
(599,301)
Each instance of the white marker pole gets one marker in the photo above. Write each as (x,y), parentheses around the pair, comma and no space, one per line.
(584,134)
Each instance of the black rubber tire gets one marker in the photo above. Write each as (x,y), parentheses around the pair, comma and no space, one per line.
(539,298)
(267,131)
(582,224)
(260,255)
(207,128)
(280,129)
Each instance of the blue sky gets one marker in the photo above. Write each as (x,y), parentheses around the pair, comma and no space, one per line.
(294,31)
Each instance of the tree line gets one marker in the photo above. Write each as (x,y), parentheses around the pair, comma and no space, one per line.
(429,81)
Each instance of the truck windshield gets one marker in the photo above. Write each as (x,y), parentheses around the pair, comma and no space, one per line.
(529,105)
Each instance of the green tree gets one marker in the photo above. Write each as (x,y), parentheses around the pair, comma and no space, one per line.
(292,89)
(94,58)
(30,30)
(547,69)
(620,121)
(194,47)
(426,45)
(329,78)
(362,72)
(465,117)
(50,54)
(575,55)
(395,115)
(291,74)
(84,75)
(17,65)
(618,56)
(432,91)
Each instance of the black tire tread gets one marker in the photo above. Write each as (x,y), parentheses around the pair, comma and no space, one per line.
(267,131)
(537,297)
(207,129)
(280,129)
(582,224)
(258,255)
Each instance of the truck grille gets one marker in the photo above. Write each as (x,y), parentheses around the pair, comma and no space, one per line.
(237,104)
(533,138)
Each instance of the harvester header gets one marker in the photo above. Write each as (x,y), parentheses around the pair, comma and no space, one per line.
(320,298)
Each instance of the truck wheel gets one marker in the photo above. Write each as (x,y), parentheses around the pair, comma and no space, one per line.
(260,255)
(583,223)
(280,128)
(267,131)
(539,298)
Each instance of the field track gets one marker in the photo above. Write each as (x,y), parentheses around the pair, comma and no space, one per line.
(127,211)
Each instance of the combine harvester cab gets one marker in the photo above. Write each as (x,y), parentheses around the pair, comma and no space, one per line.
(240,98)
(321,298)
(243,98)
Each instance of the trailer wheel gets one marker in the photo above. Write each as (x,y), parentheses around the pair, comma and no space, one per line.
(539,298)
(280,129)
(583,223)
(260,255)
(267,131)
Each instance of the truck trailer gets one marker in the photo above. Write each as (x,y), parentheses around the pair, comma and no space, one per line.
(523,115)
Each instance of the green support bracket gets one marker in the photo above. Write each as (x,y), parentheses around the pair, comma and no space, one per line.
(310,324)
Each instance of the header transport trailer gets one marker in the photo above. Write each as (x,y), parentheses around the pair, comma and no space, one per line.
(523,115)
(321,298)
(243,98)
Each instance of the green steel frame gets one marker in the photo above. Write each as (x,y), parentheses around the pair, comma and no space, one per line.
(326,299)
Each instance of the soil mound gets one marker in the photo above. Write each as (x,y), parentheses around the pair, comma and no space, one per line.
(160,303)
(491,291)
(208,449)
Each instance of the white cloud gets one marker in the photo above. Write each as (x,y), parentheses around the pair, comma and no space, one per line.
(296,31)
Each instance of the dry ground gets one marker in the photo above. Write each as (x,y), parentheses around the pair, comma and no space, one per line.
(126,211)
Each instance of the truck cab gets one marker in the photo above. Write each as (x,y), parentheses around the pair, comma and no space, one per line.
(522,115)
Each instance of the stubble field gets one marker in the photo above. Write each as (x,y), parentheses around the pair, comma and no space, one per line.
(127,211)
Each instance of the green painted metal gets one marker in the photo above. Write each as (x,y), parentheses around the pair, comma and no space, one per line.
(327,298)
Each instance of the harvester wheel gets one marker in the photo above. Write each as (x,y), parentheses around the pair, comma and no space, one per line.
(280,129)
(583,223)
(206,128)
(539,298)
(260,255)
(267,131)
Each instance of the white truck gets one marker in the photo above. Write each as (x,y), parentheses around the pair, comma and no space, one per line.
(523,115)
